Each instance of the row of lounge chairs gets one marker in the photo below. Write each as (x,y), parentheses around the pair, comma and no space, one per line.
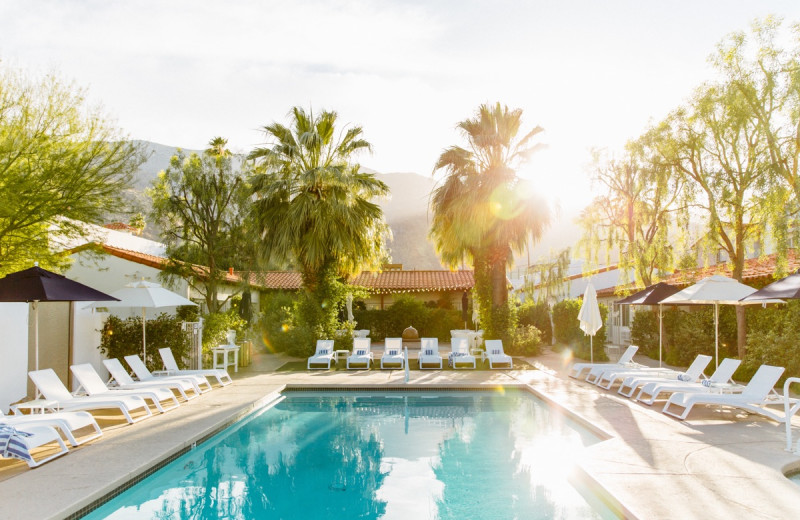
(70,413)
(686,389)
(362,357)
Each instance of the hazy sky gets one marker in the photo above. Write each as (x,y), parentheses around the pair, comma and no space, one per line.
(592,73)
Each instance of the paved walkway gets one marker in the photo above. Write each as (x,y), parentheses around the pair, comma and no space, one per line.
(715,465)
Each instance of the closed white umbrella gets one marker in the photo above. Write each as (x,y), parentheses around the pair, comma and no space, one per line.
(146,295)
(349,305)
(589,317)
(715,290)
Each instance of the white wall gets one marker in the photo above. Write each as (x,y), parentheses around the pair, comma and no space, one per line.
(14,366)
(86,336)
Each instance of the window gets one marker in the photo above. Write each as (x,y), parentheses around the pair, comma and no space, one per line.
(625,315)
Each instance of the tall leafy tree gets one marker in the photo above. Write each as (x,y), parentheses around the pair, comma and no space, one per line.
(630,219)
(61,164)
(200,203)
(767,77)
(481,213)
(314,208)
(718,146)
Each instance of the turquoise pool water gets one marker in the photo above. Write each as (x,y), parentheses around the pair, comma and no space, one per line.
(411,456)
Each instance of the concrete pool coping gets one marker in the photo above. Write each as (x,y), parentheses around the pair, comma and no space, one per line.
(714,464)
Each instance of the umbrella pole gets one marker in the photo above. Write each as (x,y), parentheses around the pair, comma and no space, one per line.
(36,338)
(36,333)
(660,334)
(716,335)
(591,349)
(144,337)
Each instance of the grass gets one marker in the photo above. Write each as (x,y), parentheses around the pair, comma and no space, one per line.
(413,364)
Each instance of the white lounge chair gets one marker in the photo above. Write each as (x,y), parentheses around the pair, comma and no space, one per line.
(91,383)
(126,382)
(757,394)
(362,353)
(495,354)
(692,375)
(429,354)
(53,389)
(720,380)
(626,359)
(460,354)
(322,355)
(67,422)
(18,443)
(172,369)
(393,354)
(200,383)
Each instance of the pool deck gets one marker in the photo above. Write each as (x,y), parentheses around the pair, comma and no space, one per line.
(717,464)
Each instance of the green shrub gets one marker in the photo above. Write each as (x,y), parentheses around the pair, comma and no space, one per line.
(644,332)
(430,322)
(527,341)
(277,318)
(124,337)
(773,339)
(538,315)
(689,333)
(568,333)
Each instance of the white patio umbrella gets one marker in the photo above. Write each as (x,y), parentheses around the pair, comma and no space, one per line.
(146,295)
(348,303)
(589,317)
(715,290)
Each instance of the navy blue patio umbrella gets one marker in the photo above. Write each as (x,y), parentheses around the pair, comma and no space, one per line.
(36,285)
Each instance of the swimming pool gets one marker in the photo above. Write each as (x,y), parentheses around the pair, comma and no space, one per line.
(391,455)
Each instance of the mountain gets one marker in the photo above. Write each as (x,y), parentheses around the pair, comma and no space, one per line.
(405,210)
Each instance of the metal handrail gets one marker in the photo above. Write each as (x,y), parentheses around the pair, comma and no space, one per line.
(790,411)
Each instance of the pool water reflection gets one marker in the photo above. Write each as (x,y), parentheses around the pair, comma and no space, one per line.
(443,455)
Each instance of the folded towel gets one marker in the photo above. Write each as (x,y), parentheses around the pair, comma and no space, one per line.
(452,357)
(12,445)
(393,353)
(324,352)
(361,352)
(684,377)
(495,351)
(429,352)
(707,382)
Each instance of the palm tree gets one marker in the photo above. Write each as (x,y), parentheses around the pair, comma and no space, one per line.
(314,206)
(481,212)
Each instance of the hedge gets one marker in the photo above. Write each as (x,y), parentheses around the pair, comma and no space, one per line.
(569,334)
(537,315)
(122,338)
(773,336)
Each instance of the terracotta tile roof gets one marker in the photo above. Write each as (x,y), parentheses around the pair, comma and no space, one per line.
(373,281)
(285,280)
(761,270)
(378,281)
(120,226)
(415,281)
(157,262)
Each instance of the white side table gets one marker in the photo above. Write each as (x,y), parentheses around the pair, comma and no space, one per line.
(35,406)
(340,354)
(225,350)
